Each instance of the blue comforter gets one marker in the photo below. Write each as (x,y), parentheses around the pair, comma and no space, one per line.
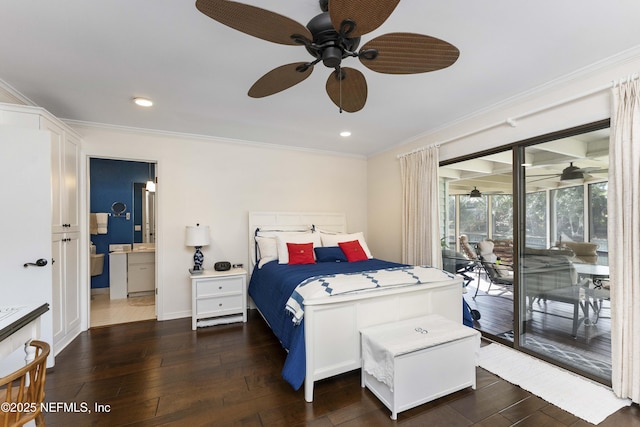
(270,288)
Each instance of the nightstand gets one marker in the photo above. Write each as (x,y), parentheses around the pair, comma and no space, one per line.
(219,297)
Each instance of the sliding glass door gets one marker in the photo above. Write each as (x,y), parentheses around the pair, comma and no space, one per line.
(563,261)
(535,219)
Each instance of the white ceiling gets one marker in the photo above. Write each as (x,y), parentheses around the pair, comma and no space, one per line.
(85,60)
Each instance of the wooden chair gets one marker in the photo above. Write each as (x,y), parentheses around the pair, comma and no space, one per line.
(24,389)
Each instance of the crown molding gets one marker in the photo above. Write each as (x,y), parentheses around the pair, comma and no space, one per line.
(219,139)
(10,95)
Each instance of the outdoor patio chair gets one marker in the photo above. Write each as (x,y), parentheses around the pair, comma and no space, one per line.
(498,275)
(457,263)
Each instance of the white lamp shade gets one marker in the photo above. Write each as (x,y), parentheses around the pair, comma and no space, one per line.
(197,235)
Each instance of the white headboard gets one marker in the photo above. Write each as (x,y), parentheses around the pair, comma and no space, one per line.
(330,221)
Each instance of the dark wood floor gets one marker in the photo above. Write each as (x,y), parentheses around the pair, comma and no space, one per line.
(162,373)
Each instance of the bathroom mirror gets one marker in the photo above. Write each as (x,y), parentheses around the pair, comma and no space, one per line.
(118,208)
(144,230)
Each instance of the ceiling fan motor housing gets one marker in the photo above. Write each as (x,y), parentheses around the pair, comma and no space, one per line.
(571,172)
(327,43)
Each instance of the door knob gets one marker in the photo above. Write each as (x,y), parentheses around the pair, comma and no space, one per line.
(39,263)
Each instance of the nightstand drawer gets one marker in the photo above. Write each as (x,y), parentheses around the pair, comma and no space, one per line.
(220,305)
(220,286)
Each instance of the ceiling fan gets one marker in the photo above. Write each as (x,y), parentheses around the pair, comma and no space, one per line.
(570,173)
(330,37)
(476,193)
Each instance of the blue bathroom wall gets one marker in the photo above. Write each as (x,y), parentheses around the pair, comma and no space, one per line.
(113,181)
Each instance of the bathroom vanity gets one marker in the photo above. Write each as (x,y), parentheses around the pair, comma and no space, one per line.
(132,270)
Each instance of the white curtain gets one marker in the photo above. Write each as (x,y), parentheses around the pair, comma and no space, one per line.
(624,239)
(420,208)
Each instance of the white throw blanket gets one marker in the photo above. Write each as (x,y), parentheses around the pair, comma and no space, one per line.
(382,343)
(339,284)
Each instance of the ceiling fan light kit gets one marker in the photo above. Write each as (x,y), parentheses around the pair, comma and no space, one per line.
(330,37)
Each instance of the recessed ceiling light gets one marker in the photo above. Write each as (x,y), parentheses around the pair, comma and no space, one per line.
(143,102)
(345,133)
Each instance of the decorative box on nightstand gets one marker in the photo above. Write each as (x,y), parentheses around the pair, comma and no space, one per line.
(219,297)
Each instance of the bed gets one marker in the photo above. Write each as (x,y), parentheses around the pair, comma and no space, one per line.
(325,341)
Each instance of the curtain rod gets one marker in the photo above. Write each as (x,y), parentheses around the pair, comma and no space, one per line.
(417,150)
(513,121)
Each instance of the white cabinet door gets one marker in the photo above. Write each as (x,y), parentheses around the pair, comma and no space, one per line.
(56,140)
(71,188)
(64,177)
(72,285)
(25,225)
(141,272)
(57,267)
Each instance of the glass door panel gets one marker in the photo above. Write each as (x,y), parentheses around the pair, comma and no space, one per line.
(480,208)
(564,310)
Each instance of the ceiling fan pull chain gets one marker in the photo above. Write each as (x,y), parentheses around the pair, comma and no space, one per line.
(339,75)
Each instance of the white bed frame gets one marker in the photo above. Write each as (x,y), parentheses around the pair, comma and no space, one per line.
(332,325)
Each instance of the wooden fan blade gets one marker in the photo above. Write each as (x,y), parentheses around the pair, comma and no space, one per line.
(408,53)
(367,14)
(254,21)
(279,79)
(350,93)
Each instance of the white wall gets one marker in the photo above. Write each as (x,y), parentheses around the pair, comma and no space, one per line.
(216,183)
(383,176)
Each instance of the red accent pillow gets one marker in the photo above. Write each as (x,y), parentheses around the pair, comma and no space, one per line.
(301,253)
(353,251)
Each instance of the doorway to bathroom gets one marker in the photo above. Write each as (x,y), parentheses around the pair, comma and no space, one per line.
(122,212)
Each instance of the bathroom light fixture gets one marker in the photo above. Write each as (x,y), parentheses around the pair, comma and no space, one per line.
(143,102)
(345,133)
(151,183)
(197,237)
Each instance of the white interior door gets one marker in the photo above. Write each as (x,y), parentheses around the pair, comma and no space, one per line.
(25,221)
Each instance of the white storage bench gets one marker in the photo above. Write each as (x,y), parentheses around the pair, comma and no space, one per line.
(414,361)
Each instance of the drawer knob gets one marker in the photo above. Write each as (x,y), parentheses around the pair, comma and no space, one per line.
(220,305)
(220,287)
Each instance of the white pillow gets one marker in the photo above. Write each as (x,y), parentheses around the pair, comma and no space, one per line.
(485,248)
(490,257)
(503,270)
(334,239)
(283,238)
(267,249)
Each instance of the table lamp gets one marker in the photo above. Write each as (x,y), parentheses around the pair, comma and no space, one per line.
(197,237)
